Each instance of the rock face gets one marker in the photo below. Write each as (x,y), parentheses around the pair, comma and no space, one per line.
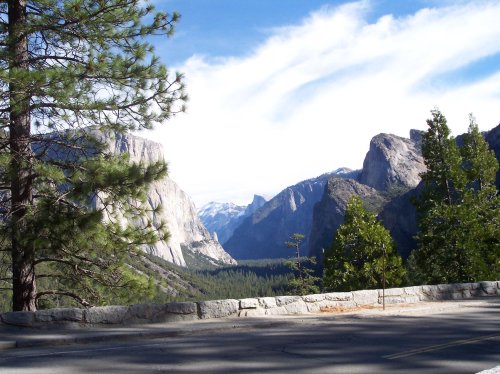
(329,212)
(493,139)
(399,216)
(263,234)
(393,163)
(178,210)
(221,219)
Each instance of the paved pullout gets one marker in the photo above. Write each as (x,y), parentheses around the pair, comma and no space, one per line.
(453,336)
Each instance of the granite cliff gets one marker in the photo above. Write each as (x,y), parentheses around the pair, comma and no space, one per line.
(391,170)
(178,210)
(393,163)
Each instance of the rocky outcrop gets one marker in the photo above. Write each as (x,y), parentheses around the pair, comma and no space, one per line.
(393,163)
(329,212)
(399,216)
(493,139)
(178,210)
(221,219)
(264,233)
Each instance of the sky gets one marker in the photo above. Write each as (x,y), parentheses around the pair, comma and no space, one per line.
(285,90)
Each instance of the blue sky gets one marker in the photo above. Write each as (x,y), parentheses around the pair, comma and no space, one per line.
(285,90)
(219,28)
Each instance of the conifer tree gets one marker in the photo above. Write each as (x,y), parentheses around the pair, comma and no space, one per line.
(303,282)
(362,255)
(74,73)
(459,230)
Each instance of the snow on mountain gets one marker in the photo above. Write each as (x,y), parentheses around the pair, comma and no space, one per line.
(213,209)
(222,219)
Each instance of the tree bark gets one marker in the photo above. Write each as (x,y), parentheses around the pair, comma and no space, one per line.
(23,255)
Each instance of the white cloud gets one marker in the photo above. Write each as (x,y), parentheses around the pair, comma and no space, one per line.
(312,96)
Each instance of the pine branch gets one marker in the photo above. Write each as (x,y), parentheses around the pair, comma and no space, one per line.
(74,296)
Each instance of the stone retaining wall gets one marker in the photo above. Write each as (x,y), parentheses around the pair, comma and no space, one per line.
(279,305)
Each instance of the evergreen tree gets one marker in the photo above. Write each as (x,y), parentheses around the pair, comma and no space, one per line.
(442,159)
(362,253)
(303,282)
(458,239)
(72,74)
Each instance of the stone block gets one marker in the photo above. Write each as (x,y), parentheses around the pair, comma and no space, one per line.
(365,297)
(249,303)
(313,298)
(489,287)
(456,296)
(479,292)
(267,302)
(182,308)
(277,311)
(453,287)
(297,307)
(339,296)
(144,312)
(218,308)
(314,307)
(400,299)
(106,314)
(24,319)
(59,315)
(392,292)
(413,291)
(285,300)
(430,292)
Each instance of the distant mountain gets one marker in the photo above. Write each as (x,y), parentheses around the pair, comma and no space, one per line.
(221,219)
(391,168)
(389,180)
(263,233)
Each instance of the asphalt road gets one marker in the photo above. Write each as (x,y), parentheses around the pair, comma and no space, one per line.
(462,340)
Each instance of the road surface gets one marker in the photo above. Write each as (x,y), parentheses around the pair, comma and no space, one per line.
(458,340)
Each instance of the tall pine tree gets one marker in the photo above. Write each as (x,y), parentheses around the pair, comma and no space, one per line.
(72,74)
(459,215)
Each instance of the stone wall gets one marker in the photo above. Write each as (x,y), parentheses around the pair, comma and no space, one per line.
(262,306)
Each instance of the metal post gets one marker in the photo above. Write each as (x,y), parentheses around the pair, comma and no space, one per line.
(383,276)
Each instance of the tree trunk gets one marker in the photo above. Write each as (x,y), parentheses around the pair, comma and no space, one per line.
(23,256)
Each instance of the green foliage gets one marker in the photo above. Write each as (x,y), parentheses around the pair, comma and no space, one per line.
(459,226)
(444,174)
(160,282)
(362,253)
(74,76)
(304,282)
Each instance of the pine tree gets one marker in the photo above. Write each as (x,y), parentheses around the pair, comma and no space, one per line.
(459,230)
(303,282)
(74,73)
(442,159)
(362,255)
